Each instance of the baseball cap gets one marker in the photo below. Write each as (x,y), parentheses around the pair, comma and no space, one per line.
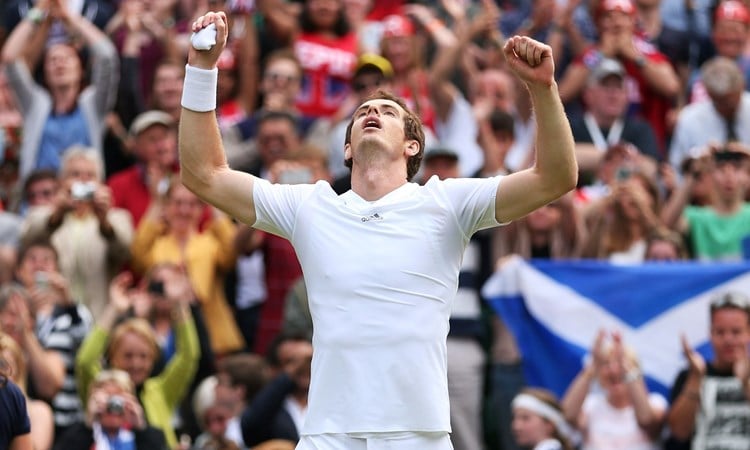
(397,25)
(732,10)
(439,151)
(605,68)
(606,6)
(148,119)
(374,61)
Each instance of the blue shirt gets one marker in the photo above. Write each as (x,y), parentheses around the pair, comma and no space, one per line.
(60,132)
(14,420)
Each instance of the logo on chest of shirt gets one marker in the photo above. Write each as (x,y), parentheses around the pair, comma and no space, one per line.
(375,216)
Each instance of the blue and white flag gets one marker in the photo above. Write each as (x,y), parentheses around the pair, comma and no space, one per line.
(555,309)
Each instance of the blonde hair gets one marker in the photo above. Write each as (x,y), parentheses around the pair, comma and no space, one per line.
(10,346)
(137,326)
(113,376)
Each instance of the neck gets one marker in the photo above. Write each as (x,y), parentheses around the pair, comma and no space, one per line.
(374,183)
(727,206)
(64,98)
(603,120)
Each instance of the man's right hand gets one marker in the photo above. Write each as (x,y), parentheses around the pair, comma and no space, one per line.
(206,59)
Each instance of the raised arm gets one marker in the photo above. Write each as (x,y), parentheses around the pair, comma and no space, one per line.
(555,171)
(203,164)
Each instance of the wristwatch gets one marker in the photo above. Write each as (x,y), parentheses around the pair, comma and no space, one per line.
(36,15)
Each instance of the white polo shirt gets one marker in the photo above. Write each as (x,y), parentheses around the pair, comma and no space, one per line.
(380,278)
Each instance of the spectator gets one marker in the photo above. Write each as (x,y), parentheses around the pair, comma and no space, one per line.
(664,245)
(91,237)
(622,414)
(655,83)
(46,368)
(64,111)
(495,91)
(278,410)
(40,189)
(605,122)
(131,346)
(155,147)
(213,417)
(61,324)
(716,121)
(620,222)
(114,418)
(169,233)
(280,86)
(428,90)
(154,301)
(729,35)
(40,413)
(554,231)
(239,379)
(716,231)
(538,423)
(16,427)
(709,400)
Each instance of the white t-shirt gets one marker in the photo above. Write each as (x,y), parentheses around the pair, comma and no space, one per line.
(614,429)
(380,278)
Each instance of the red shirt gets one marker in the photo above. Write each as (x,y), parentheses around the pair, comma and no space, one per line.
(328,65)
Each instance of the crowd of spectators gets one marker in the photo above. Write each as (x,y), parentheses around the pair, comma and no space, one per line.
(133,315)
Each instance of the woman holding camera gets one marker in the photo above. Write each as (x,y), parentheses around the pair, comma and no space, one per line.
(131,346)
(114,419)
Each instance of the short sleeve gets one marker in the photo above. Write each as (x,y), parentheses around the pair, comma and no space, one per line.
(13,411)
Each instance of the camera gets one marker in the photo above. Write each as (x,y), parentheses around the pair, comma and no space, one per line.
(82,190)
(115,405)
(41,279)
(156,287)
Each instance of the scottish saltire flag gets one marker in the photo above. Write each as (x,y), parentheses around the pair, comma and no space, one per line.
(555,308)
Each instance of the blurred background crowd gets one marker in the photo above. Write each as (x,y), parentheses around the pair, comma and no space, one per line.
(135,316)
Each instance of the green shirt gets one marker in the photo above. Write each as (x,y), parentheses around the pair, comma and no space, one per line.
(717,237)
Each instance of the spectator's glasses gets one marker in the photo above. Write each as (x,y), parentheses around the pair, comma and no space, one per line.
(731,300)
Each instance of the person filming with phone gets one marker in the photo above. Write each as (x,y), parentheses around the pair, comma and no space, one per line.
(91,237)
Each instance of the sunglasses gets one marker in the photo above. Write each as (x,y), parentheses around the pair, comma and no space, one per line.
(731,300)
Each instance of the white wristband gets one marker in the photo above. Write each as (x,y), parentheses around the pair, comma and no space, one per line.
(199,89)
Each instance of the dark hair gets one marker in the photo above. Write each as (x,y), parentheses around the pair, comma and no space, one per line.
(307,25)
(247,370)
(502,122)
(42,242)
(37,176)
(412,131)
(268,116)
(272,355)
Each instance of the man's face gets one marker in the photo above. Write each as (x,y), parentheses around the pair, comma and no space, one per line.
(377,123)
(731,179)
(282,77)
(36,259)
(42,192)
(727,104)
(730,38)
(168,81)
(607,98)
(367,83)
(497,86)
(616,22)
(62,67)
(277,138)
(730,335)
(80,169)
(157,144)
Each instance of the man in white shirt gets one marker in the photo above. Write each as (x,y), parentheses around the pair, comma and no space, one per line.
(381,261)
